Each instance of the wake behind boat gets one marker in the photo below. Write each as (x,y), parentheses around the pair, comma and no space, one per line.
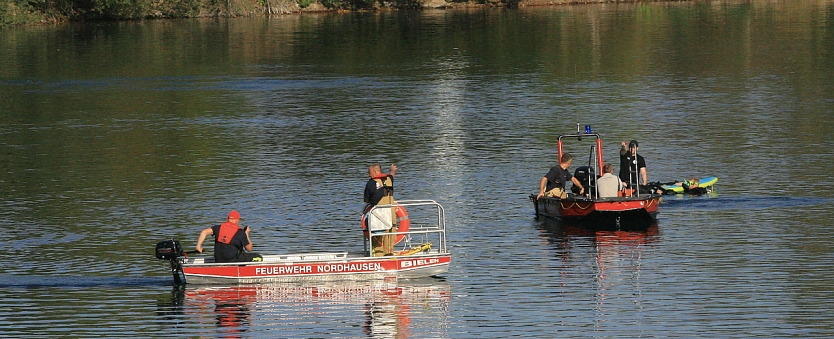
(422,252)
(632,211)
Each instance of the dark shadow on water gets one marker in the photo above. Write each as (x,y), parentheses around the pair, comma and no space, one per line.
(35,281)
(170,306)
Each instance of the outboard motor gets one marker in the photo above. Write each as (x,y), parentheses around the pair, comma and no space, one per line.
(585,175)
(172,251)
(168,249)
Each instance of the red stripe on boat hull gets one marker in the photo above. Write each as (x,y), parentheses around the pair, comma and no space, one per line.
(336,270)
(601,214)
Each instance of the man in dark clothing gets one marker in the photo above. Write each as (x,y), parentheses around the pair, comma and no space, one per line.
(553,183)
(375,189)
(380,191)
(231,242)
(629,158)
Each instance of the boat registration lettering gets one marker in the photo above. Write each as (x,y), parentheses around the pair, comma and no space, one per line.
(283,270)
(418,262)
(359,267)
(320,268)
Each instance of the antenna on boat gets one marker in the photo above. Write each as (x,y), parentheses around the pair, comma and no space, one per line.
(592,165)
(636,173)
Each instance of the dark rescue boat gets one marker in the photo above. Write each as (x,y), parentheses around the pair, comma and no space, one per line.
(631,211)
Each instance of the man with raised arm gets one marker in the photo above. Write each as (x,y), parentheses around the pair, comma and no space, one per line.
(632,165)
(380,191)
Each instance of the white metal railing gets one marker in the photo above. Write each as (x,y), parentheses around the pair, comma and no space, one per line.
(306,256)
(429,231)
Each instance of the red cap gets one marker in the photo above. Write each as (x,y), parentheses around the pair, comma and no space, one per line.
(234,215)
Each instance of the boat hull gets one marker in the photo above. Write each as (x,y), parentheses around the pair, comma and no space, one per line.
(315,267)
(606,214)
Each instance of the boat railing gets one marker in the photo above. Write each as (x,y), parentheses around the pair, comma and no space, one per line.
(306,256)
(280,258)
(432,228)
(592,189)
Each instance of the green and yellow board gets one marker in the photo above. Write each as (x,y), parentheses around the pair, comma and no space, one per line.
(703,182)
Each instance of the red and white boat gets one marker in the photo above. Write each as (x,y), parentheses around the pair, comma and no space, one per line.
(632,211)
(422,252)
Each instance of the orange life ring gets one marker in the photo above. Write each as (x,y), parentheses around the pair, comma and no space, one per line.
(402,220)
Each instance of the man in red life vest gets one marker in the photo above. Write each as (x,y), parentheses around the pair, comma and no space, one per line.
(231,242)
(380,191)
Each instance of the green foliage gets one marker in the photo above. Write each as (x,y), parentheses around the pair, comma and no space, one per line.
(330,3)
(120,9)
(359,4)
(183,8)
(14,13)
(20,12)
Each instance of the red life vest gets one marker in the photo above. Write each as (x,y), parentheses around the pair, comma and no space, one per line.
(227,232)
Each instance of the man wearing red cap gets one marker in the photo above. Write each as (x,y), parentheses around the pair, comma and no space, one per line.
(231,242)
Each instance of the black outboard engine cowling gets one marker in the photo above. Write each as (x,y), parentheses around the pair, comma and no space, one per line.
(168,249)
(584,174)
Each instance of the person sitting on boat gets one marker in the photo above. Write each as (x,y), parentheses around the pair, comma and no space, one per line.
(231,242)
(628,159)
(609,185)
(553,183)
(380,190)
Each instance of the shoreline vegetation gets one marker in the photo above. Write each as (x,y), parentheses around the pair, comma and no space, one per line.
(31,12)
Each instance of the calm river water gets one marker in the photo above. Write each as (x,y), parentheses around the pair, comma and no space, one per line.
(115,136)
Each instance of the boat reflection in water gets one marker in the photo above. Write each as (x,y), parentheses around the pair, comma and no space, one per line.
(572,241)
(232,306)
(566,229)
(375,308)
(610,263)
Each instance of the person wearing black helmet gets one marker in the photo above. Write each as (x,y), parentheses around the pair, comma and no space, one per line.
(632,165)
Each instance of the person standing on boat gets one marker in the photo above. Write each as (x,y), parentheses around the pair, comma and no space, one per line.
(553,183)
(632,165)
(609,186)
(231,242)
(380,191)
